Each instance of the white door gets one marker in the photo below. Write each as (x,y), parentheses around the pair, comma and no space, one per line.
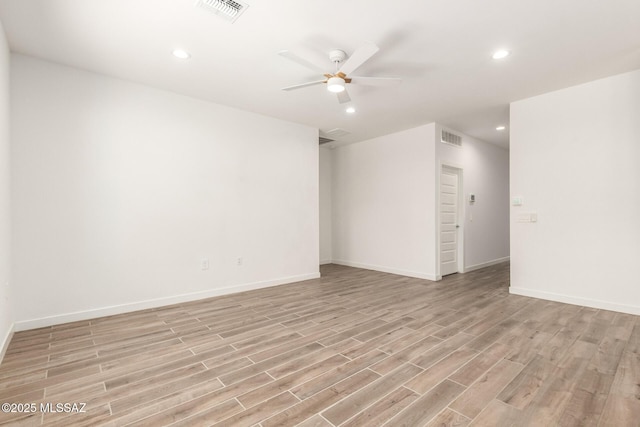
(449,179)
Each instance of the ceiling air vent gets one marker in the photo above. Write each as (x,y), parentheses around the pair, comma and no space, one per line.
(336,133)
(323,140)
(227,9)
(451,138)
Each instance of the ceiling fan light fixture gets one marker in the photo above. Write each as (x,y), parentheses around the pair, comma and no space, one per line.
(335,85)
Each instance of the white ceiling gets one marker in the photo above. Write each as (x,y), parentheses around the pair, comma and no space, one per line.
(441,48)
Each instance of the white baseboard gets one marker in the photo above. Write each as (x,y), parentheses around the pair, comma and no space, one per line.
(408,273)
(7,340)
(569,299)
(486,264)
(327,261)
(155,303)
(384,269)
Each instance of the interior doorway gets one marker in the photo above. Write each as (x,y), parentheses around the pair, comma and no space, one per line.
(450,220)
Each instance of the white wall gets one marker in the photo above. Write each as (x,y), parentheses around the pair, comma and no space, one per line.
(385,195)
(574,160)
(325,205)
(6,301)
(120,190)
(486,175)
(384,205)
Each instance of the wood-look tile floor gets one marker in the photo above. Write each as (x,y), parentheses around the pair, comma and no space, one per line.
(354,348)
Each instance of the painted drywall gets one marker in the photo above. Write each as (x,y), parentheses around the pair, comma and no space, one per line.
(385,198)
(574,162)
(122,190)
(384,205)
(325,206)
(485,170)
(6,302)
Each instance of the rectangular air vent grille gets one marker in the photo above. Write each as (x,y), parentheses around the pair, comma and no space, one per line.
(227,9)
(336,133)
(451,138)
(323,140)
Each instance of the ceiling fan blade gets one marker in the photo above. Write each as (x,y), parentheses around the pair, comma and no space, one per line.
(343,97)
(376,81)
(305,63)
(359,57)
(317,82)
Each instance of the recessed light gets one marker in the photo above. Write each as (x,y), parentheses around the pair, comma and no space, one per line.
(499,54)
(181,54)
(351,110)
(501,128)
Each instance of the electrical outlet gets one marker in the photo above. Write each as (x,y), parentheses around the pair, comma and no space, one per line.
(239,261)
(204,264)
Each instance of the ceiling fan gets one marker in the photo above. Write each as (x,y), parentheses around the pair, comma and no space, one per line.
(336,82)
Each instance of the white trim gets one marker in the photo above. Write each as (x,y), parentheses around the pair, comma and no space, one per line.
(7,340)
(391,270)
(568,299)
(327,261)
(486,264)
(155,303)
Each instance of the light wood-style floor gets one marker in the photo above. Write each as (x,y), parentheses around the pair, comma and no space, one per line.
(354,348)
